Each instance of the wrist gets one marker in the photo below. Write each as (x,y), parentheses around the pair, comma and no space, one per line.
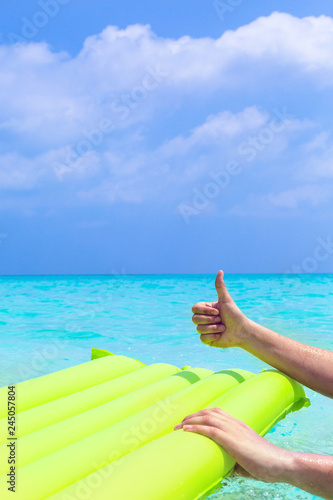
(282,466)
(287,467)
(248,333)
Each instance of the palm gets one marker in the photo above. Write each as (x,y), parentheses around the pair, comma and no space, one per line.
(232,317)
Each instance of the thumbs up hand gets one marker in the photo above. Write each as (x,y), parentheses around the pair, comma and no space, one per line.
(221,323)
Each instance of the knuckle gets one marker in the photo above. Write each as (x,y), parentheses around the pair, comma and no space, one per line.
(210,419)
(213,431)
(216,328)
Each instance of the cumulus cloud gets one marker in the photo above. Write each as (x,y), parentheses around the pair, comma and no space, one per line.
(82,118)
(292,198)
(216,129)
(319,157)
(41,89)
(172,170)
(289,201)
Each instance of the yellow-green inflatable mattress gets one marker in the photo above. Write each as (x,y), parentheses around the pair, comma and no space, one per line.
(103,430)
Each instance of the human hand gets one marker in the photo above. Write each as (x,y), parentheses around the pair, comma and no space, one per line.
(255,456)
(221,323)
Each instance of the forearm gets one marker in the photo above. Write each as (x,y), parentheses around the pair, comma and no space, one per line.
(308,365)
(309,472)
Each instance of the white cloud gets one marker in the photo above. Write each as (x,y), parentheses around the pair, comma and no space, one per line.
(51,102)
(185,161)
(55,95)
(217,129)
(293,198)
(290,201)
(18,173)
(127,171)
(319,158)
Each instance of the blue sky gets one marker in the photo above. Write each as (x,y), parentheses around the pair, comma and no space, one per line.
(183,139)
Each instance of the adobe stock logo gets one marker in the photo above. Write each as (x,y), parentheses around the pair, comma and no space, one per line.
(30,27)
(223,8)
(310,264)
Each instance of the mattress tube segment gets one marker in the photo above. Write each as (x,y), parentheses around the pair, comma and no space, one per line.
(157,385)
(183,465)
(154,380)
(40,390)
(51,474)
(46,415)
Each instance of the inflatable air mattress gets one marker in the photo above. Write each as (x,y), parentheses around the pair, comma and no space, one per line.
(103,430)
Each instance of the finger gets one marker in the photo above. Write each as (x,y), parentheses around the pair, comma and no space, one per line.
(222,413)
(205,308)
(206,417)
(205,319)
(214,416)
(205,430)
(221,289)
(196,420)
(210,338)
(218,328)
(199,413)
(228,419)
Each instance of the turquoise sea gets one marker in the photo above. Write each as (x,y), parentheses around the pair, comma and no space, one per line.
(50,323)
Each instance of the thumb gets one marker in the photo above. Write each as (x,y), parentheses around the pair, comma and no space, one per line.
(222,292)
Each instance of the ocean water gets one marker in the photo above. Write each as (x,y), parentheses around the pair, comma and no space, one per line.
(50,323)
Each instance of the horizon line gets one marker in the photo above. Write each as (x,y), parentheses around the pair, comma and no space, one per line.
(162,274)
